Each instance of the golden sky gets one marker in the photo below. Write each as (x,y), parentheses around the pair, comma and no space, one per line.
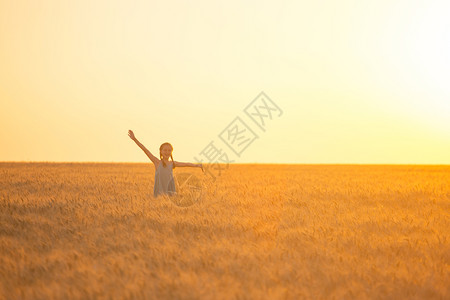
(357,81)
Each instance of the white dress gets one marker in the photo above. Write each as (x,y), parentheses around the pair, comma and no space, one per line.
(164,181)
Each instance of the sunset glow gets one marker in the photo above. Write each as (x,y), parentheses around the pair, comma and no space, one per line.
(358,81)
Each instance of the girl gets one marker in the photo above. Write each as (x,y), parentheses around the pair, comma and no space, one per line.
(164,181)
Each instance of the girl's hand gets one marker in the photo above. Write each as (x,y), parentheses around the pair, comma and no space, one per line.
(131,135)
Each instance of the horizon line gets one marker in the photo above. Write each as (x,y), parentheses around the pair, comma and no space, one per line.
(243,163)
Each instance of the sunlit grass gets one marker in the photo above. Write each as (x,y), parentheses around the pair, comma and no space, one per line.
(257,231)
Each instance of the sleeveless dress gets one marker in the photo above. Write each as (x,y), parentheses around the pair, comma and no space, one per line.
(164,181)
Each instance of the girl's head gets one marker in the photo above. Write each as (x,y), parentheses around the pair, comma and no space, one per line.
(165,151)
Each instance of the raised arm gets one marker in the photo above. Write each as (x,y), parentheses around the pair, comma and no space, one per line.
(153,158)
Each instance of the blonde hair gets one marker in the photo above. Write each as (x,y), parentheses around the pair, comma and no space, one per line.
(161,157)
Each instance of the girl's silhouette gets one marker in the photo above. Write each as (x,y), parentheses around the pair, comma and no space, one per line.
(164,181)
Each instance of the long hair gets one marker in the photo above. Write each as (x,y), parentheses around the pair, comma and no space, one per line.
(161,156)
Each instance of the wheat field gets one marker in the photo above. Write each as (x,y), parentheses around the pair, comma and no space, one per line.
(95,231)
